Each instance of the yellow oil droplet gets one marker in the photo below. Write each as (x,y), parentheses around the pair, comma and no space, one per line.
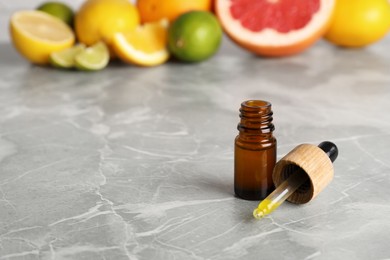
(265,208)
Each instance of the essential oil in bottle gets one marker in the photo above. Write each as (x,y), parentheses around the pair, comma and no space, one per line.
(254,151)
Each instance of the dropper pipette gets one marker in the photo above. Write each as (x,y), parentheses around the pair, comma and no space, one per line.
(290,185)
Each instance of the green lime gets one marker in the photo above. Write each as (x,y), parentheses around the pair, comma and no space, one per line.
(194,36)
(66,58)
(59,10)
(95,57)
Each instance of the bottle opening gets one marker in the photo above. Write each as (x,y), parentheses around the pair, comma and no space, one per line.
(256,115)
(256,104)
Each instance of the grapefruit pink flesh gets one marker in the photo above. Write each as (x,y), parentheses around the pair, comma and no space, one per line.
(275,27)
(282,16)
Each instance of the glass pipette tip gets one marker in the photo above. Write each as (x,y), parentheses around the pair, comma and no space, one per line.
(280,194)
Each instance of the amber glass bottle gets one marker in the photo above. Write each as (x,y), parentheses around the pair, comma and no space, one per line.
(254,151)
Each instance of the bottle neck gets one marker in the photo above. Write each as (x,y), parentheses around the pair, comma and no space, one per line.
(256,118)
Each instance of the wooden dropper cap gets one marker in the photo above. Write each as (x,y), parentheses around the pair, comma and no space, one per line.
(315,162)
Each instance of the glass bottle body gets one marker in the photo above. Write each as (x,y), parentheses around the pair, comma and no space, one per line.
(255,151)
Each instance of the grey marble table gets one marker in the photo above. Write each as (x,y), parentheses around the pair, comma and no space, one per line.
(137,163)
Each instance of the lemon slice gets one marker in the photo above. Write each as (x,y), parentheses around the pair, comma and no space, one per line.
(36,34)
(95,57)
(66,58)
(144,46)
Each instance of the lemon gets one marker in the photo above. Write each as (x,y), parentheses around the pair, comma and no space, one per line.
(66,58)
(36,34)
(194,36)
(144,46)
(99,20)
(95,57)
(359,23)
(59,10)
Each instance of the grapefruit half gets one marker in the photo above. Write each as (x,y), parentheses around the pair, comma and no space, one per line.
(275,27)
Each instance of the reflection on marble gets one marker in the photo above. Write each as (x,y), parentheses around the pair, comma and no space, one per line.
(135,163)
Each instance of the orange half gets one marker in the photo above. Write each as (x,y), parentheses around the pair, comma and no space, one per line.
(144,46)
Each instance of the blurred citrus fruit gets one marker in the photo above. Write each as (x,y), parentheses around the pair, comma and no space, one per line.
(101,19)
(92,58)
(144,46)
(275,27)
(194,36)
(359,23)
(36,34)
(155,10)
(66,58)
(59,10)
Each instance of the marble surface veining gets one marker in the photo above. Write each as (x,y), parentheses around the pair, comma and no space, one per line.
(137,163)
